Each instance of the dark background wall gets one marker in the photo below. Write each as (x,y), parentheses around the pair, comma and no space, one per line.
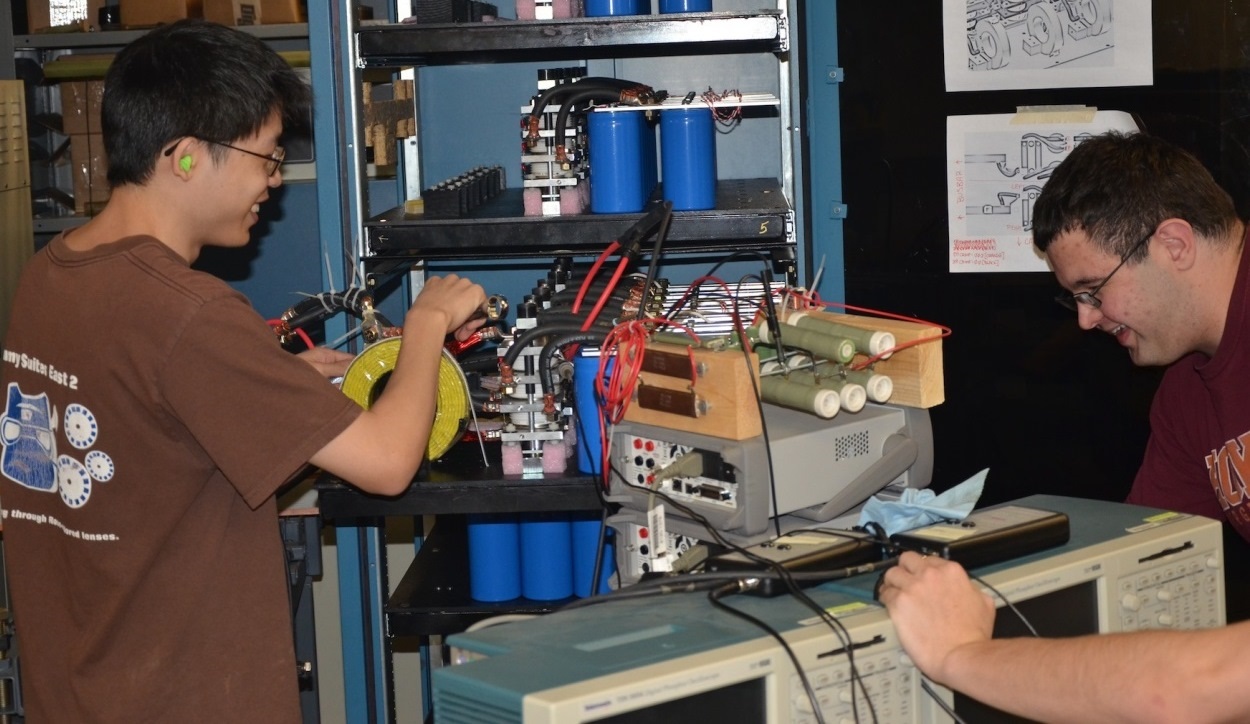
(1047,407)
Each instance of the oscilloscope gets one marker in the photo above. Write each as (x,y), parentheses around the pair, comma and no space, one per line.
(658,659)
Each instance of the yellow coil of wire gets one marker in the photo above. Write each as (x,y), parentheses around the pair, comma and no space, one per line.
(368,373)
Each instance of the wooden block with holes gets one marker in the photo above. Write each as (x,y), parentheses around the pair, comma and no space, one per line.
(917,370)
(698,390)
(385,121)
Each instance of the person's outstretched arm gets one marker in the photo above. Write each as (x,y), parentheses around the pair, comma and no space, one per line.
(382,449)
(944,623)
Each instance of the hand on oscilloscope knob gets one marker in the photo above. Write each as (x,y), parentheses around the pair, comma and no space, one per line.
(935,609)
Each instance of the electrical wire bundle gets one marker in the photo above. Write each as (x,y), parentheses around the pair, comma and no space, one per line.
(319,307)
(575,97)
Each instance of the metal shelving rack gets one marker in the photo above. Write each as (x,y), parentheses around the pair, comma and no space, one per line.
(751,213)
(755,214)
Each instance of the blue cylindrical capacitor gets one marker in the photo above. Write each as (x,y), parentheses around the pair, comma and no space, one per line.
(617,171)
(688,157)
(588,410)
(685,6)
(494,557)
(602,8)
(546,556)
(586,529)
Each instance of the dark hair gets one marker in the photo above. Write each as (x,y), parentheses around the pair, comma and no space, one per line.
(192,78)
(1118,187)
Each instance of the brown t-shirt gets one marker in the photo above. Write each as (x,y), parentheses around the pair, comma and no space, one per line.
(149,418)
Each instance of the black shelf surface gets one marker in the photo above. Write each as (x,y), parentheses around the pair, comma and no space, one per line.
(433,596)
(460,483)
(749,214)
(575,38)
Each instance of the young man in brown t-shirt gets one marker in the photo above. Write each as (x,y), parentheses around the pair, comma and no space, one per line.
(150,415)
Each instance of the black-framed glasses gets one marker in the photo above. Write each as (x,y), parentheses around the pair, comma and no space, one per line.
(273,161)
(1090,298)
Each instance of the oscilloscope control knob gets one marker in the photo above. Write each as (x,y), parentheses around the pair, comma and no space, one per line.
(1131,602)
(845,696)
(1164,594)
(803,705)
(1165,619)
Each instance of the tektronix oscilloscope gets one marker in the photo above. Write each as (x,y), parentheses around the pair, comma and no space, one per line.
(676,658)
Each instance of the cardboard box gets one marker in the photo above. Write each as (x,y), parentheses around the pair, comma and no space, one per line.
(276,12)
(90,172)
(148,13)
(233,12)
(44,14)
(80,106)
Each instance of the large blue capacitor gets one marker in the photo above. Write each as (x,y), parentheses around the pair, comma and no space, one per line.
(494,557)
(688,157)
(586,550)
(546,556)
(601,8)
(622,144)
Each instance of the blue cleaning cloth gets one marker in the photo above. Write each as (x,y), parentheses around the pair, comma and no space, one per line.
(917,508)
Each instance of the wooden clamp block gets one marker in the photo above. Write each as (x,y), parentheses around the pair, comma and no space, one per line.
(384,121)
(698,390)
(917,370)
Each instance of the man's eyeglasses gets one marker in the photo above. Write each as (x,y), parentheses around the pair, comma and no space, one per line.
(272,161)
(1090,298)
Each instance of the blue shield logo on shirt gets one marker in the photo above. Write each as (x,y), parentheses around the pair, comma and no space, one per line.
(26,433)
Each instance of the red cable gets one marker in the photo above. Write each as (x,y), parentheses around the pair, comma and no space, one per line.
(590,275)
(607,293)
(279,324)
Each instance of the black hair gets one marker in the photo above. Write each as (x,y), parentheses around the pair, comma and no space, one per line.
(1118,187)
(192,78)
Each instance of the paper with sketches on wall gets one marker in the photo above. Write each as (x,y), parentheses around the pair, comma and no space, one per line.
(996,167)
(1074,44)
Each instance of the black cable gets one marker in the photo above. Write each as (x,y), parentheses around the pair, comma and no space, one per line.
(562,317)
(1009,604)
(660,236)
(787,577)
(527,337)
(553,346)
(759,406)
(544,98)
(924,684)
(567,103)
(596,570)
(790,579)
(715,598)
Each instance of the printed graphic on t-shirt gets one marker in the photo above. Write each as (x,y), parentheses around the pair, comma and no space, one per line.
(27,433)
(29,458)
(1229,470)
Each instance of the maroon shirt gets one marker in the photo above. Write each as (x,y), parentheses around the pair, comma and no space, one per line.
(1198,456)
(149,418)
